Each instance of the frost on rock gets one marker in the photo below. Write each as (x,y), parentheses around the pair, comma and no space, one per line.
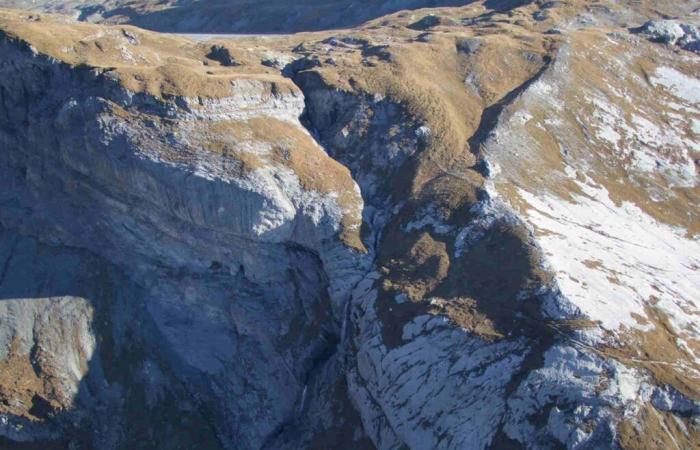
(507,263)
(672,32)
(439,368)
(579,404)
(684,87)
(487,213)
(429,216)
(610,260)
(423,133)
(602,188)
(221,255)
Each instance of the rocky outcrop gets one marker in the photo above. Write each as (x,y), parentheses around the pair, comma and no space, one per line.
(425,238)
(684,35)
(240,274)
(505,353)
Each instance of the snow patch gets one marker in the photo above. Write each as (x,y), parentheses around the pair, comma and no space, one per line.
(611,260)
(679,84)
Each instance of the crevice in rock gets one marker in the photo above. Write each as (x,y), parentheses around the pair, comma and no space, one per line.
(490,116)
(8,261)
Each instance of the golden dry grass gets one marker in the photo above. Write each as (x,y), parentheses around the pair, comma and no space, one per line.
(426,77)
(658,430)
(159,64)
(168,66)
(21,385)
(317,172)
(589,69)
(260,142)
(657,351)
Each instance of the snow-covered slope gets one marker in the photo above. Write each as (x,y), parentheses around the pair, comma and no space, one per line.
(470,229)
(611,186)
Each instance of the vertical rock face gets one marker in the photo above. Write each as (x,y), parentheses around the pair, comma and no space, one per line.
(239,274)
(489,329)
(487,238)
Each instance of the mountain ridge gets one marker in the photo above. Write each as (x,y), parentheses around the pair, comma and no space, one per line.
(471,227)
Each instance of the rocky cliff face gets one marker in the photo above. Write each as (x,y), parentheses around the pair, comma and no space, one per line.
(240,266)
(472,229)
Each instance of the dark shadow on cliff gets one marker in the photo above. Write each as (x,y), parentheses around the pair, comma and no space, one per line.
(254,17)
(46,292)
(505,5)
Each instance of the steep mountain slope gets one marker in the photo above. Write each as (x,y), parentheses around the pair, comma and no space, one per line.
(213,190)
(284,16)
(475,228)
(221,16)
